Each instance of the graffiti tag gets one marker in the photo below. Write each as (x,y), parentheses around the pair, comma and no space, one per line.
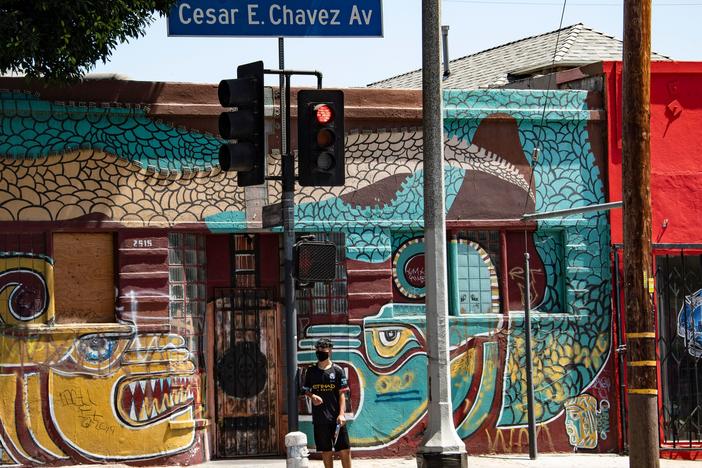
(86,409)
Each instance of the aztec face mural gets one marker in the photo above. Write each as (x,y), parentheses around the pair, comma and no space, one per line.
(86,392)
(585,422)
(95,391)
(69,382)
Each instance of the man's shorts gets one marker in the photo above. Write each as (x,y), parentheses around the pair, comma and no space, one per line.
(324,437)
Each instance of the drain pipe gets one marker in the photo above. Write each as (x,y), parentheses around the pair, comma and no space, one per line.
(444,35)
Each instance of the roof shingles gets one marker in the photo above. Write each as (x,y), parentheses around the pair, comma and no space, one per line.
(574,46)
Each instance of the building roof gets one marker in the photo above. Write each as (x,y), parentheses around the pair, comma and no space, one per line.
(578,45)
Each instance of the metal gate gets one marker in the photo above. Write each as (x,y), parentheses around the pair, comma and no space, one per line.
(246,362)
(679,304)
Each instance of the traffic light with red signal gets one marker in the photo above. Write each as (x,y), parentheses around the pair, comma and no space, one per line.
(320,141)
(246,125)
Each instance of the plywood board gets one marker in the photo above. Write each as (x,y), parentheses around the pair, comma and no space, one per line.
(84,277)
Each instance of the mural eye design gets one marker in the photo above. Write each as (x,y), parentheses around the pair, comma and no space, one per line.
(98,353)
(390,342)
(389,337)
(96,348)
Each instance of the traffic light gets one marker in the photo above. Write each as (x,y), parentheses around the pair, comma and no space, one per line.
(320,137)
(246,125)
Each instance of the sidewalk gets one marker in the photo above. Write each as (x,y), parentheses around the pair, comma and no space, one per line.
(486,461)
(494,461)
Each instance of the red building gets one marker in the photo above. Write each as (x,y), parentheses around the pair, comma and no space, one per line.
(676,207)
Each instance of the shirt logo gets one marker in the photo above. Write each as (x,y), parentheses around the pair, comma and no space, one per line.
(332,376)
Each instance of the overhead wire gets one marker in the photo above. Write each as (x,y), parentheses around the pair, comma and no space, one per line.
(547,3)
(537,146)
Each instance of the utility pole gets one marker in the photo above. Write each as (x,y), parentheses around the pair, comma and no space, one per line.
(642,384)
(441,447)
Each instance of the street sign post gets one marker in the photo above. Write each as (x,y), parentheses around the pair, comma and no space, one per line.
(276,18)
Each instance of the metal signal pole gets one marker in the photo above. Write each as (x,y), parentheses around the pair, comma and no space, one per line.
(642,387)
(441,447)
(288,211)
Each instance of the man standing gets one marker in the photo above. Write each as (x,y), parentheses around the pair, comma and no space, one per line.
(325,384)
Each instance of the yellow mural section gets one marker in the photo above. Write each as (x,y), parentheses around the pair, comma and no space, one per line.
(26,285)
(551,368)
(104,391)
(35,419)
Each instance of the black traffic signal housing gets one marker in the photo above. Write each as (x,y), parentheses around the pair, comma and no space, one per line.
(320,137)
(246,125)
(314,261)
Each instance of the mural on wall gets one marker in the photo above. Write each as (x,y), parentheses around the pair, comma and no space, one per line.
(384,353)
(26,281)
(64,162)
(585,422)
(85,391)
(690,323)
(408,268)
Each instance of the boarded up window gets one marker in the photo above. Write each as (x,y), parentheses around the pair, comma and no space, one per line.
(84,277)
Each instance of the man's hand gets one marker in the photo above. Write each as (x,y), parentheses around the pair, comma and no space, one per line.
(316,400)
(341,420)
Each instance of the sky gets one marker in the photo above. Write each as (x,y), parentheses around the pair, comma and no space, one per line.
(474,25)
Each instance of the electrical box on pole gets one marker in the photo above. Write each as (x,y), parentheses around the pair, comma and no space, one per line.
(320,140)
(246,125)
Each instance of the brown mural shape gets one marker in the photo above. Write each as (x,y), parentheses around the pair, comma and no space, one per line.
(382,160)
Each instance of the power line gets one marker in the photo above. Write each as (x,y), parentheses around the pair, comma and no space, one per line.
(546,3)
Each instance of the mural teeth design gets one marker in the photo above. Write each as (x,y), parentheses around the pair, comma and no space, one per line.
(146,400)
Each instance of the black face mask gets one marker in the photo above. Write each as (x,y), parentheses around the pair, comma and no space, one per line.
(322,356)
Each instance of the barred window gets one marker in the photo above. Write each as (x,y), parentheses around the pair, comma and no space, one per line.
(327,298)
(245,271)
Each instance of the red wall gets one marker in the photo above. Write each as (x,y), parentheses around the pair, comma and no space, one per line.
(676,149)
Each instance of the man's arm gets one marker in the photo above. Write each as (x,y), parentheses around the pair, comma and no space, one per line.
(341,419)
(307,384)
(343,395)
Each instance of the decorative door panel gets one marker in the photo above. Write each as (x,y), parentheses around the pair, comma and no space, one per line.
(246,360)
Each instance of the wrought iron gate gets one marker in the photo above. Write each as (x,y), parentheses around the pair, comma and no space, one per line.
(679,307)
(246,372)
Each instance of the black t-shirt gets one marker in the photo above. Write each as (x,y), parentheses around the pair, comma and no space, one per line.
(328,384)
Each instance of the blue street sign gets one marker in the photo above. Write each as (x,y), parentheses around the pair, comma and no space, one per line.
(276,18)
